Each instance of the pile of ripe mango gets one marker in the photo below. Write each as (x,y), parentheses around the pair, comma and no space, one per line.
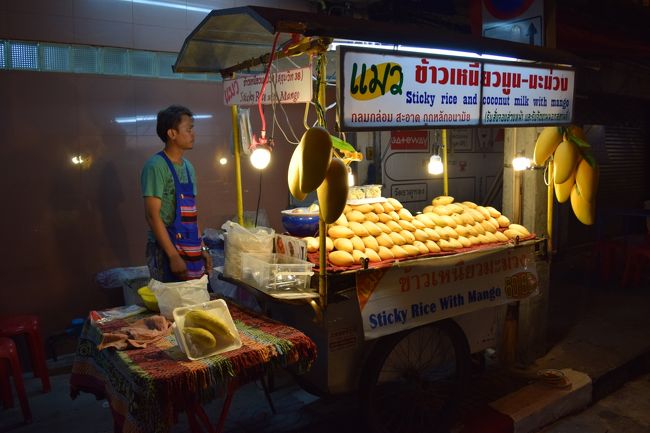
(387,230)
(575,172)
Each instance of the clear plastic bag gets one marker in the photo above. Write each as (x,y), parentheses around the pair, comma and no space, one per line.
(242,240)
(180,294)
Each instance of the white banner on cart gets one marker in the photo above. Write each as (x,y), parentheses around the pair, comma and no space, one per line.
(410,295)
(381,90)
(291,87)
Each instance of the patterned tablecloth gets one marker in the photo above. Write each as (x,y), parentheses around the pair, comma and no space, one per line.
(147,387)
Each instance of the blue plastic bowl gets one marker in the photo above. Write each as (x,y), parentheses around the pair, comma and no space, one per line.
(300,224)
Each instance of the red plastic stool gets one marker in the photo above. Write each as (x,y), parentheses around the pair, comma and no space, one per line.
(8,352)
(637,259)
(11,326)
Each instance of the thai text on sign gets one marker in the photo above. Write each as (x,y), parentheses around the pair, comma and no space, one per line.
(411,295)
(291,87)
(397,91)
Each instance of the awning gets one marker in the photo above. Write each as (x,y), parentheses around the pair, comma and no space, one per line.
(227,39)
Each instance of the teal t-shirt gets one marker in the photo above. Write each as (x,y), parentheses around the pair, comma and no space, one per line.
(157,181)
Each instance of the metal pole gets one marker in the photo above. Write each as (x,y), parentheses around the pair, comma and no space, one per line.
(549,210)
(322,227)
(235,133)
(445,172)
(511,324)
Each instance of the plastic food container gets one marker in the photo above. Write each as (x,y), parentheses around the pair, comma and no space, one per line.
(276,272)
(195,348)
(356,193)
(372,191)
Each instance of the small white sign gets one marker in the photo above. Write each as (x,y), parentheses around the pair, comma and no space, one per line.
(409,192)
(287,87)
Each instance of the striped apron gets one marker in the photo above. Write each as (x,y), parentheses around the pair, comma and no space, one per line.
(184,231)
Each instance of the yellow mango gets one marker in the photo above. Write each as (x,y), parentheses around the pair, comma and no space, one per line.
(341,258)
(583,210)
(442,200)
(316,155)
(546,144)
(565,159)
(333,191)
(200,338)
(293,174)
(587,180)
(209,321)
(563,190)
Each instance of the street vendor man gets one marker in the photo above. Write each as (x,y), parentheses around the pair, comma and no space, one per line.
(174,250)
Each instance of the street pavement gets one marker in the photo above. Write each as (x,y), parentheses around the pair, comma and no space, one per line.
(624,411)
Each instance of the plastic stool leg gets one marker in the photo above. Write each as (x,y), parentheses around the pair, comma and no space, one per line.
(37,354)
(20,389)
(5,386)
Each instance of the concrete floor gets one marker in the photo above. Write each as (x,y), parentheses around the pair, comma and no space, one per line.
(600,331)
(625,411)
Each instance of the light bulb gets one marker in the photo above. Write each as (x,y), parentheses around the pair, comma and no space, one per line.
(350,177)
(435,165)
(261,157)
(223,161)
(78,159)
(520,163)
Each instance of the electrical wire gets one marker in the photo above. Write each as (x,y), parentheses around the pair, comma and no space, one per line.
(259,197)
(276,100)
(266,79)
(547,177)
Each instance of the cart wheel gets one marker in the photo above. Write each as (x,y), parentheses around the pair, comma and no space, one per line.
(414,379)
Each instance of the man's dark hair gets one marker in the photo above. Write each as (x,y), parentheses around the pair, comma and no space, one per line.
(169,118)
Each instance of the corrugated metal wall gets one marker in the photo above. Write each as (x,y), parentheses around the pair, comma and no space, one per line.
(623,177)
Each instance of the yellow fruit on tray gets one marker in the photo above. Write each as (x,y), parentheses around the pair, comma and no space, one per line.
(442,200)
(563,190)
(583,210)
(341,258)
(546,143)
(333,191)
(208,321)
(565,159)
(148,298)
(199,337)
(587,180)
(316,154)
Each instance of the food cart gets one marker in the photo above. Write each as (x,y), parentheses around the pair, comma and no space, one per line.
(399,331)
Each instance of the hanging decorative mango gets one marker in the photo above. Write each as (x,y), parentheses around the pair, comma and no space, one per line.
(316,154)
(333,191)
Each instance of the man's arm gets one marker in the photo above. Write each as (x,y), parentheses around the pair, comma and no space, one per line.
(152,214)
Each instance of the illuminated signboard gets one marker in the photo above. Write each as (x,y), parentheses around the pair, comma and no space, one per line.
(380,90)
